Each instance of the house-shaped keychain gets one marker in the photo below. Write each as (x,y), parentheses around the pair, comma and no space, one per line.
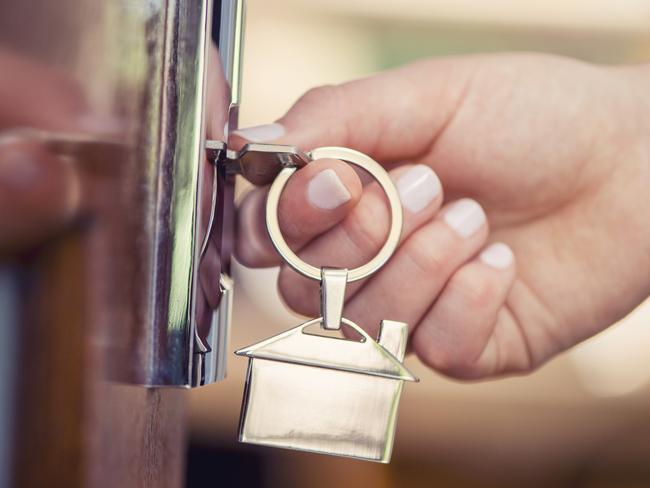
(326,394)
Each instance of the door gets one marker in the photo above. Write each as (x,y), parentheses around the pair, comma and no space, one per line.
(104,103)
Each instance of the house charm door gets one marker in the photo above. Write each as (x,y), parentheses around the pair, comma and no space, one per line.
(320,393)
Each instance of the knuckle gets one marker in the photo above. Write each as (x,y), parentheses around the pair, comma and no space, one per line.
(440,359)
(366,226)
(292,228)
(245,256)
(324,94)
(426,259)
(429,355)
(457,366)
(475,291)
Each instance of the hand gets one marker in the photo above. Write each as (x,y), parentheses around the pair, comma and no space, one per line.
(557,153)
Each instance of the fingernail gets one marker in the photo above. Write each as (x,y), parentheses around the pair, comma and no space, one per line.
(497,255)
(326,190)
(465,216)
(418,187)
(261,133)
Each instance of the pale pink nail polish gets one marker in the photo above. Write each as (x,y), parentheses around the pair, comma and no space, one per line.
(465,216)
(326,190)
(418,187)
(497,255)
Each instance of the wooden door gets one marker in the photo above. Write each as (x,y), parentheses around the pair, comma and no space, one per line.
(99,299)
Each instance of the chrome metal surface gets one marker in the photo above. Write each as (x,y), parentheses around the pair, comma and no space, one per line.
(211,305)
(332,296)
(215,151)
(261,163)
(376,171)
(393,337)
(214,365)
(258,163)
(301,346)
(346,414)
(231,45)
(328,395)
(121,90)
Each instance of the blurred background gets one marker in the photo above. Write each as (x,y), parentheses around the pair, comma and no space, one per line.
(581,420)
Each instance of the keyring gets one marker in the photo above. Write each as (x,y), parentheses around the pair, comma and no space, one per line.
(377,172)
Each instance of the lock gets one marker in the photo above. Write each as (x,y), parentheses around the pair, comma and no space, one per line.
(155,214)
(156,202)
(259,164)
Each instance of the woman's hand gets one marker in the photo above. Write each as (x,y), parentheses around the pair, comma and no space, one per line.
(554,152)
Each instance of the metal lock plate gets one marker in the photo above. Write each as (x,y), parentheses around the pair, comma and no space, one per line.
(259,164)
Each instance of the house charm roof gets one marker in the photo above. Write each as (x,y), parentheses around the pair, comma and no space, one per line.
(300,347)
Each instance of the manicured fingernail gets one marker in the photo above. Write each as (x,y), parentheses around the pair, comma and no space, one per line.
(326,190)
(465,216)
(418,187)
(261,133)
(497,255)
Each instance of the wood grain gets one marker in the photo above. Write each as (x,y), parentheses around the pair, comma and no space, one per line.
(73,428)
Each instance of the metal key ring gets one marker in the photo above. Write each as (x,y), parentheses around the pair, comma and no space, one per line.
(377,172)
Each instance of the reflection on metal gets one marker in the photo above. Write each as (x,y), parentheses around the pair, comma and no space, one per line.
(212,286)
(328,395)
(214,150)
(211,354)
(332,296)
(261,163)
(73,145)
(231,40)
(157,216)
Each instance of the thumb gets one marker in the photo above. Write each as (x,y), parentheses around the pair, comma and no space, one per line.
(395,115)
